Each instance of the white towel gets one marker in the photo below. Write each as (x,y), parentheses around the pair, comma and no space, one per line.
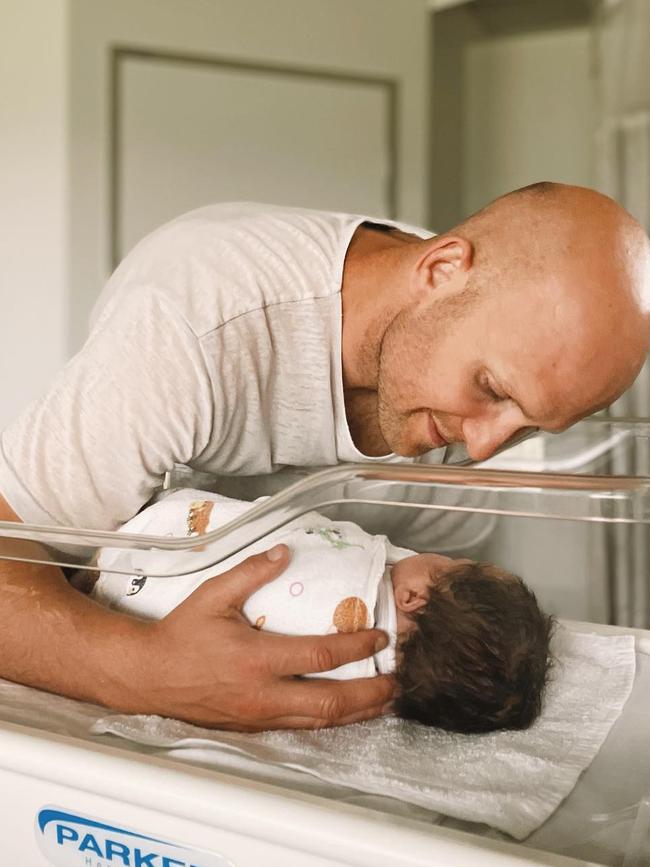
(512,781)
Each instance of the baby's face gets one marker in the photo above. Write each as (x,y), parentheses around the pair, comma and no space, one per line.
(413,579)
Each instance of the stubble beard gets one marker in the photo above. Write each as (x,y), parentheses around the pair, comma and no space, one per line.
(393,425)
(395,370)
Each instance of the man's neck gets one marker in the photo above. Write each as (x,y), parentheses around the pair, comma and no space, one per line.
(363,422)
(372,277)
(370,293)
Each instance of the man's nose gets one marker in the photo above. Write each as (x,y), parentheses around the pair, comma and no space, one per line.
(484,436)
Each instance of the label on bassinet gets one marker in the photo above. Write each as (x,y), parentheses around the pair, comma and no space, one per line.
(73,840)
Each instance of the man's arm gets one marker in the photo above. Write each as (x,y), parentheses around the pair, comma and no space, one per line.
(54,637)
(202,663)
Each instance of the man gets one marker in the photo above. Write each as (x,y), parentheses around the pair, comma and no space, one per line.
(242,338)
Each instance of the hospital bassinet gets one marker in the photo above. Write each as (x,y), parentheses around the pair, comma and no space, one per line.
(56,778)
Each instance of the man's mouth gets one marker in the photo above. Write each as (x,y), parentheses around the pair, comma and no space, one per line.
(437,439)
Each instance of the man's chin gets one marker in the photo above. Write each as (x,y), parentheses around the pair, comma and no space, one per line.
(410,450)
(402,441)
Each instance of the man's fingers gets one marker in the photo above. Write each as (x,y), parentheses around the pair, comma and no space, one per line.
(312,654)
(324,702)
(306,722)
(232,588)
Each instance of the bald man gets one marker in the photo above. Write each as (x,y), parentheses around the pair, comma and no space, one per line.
(242,338)
(535,312)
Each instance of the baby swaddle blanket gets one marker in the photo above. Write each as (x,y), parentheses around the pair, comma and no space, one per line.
(337,579)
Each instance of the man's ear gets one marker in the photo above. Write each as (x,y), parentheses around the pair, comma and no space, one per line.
(408,599)
(444,263)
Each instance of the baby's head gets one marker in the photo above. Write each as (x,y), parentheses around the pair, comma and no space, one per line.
(473,645)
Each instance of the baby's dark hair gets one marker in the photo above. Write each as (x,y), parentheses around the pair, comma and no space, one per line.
(477,658)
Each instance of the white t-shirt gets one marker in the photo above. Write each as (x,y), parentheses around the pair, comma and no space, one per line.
(216,344)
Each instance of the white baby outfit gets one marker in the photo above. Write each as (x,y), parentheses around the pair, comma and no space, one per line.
(338,579)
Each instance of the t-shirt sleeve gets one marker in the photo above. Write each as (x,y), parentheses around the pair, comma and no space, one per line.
(136,399)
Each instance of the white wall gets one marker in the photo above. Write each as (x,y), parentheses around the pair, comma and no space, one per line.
(33,194)
(528,112)
(514,101)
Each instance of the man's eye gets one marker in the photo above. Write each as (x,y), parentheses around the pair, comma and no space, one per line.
(491,393)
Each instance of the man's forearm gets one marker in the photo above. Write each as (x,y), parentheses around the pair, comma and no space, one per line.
(55,638)
(202,662)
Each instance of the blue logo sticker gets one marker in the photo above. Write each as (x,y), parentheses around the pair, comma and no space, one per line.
(72,840)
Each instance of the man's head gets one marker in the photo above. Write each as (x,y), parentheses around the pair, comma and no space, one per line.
(534,312)
(476,655)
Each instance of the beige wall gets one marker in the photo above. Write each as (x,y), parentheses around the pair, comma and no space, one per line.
(514,101)
(528,112)
(33,198)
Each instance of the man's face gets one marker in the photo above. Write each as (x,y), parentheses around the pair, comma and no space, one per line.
(479,371)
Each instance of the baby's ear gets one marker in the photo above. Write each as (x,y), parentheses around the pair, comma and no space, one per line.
(409,600)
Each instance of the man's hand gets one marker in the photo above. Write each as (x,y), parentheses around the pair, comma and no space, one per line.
(204,663)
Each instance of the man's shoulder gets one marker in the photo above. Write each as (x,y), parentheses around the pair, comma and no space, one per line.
(249,231)
(221,261)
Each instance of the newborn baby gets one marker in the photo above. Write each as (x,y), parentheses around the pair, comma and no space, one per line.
(469,646)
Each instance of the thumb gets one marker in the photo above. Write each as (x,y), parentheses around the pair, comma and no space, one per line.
(232,588)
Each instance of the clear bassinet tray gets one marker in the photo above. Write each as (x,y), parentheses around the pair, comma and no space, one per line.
(597,472)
